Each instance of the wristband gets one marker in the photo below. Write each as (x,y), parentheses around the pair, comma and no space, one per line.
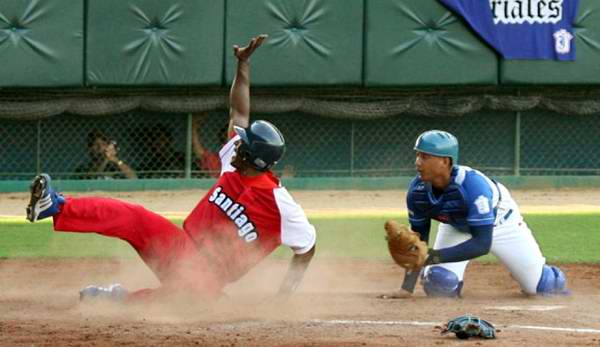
(434,257)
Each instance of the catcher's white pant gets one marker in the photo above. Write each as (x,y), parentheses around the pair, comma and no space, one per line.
(512,243)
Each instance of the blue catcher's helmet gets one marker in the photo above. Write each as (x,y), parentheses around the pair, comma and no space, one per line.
(439,143)
(262,144)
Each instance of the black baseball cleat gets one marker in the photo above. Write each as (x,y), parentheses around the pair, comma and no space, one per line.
(44,202)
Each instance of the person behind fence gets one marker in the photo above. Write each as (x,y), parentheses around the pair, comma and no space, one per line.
(244,217)
(207,161)
(104,161)
(159,157)
(477,216)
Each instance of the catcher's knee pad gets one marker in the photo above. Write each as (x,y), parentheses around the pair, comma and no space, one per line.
(438,281)
(552,281)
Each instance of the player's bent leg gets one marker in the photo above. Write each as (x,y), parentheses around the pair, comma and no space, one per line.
(181,294)
(160,243)
(517,249)
(440,282)
(148,232)
(167,250)
(552,282)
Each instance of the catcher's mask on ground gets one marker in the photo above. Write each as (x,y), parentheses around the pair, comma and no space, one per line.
(262,145)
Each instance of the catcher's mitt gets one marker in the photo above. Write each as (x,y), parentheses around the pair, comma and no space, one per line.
(406,247)
(469,326)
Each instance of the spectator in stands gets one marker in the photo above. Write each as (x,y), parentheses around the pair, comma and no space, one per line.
(288,172)
(104,159)
(160,159)
(207,162)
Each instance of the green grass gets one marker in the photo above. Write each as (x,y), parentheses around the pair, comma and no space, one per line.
(563,238)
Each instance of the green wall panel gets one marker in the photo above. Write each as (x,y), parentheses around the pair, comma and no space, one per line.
(155,42)
(311,42)
(420,42)
(41,43)
(584,70)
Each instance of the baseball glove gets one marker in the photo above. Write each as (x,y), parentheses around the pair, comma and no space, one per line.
(406,247)
(469,326)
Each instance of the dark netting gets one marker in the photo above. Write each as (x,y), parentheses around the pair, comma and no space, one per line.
(177,134)
(345,104)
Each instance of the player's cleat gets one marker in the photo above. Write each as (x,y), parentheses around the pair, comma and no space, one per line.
(552,282)
(44,202)
(115,292)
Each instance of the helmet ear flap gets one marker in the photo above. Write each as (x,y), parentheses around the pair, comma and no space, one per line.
(260,164)
(247,155)
(244,152)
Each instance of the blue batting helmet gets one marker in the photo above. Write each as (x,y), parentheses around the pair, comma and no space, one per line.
(262,144)
(439,143)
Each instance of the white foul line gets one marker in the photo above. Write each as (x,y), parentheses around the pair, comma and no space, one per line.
(571,330)
(377,322)
(371,322)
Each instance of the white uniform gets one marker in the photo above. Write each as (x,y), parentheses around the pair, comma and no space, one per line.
(512,243)
(473,200)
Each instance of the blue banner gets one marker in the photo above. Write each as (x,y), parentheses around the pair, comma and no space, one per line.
(522,29)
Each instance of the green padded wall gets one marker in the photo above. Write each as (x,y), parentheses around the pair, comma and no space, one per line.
(584,70)
(155,42)
(410,42)
(41,43)
(311,42)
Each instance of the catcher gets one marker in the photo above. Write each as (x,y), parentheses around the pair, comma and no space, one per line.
(477,216)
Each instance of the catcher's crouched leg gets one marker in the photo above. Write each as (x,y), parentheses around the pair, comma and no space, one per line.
(440,282)
(553,281)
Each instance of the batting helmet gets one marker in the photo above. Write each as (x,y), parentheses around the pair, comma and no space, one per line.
(262,144)
(439,143)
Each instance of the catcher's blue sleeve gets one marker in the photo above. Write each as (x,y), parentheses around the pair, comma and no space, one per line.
(522,29)
(479,199)
(478,245)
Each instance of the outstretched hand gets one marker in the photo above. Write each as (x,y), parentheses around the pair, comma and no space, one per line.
(244,53)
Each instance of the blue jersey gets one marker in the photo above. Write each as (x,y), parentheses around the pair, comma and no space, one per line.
(522,29)
(469,200)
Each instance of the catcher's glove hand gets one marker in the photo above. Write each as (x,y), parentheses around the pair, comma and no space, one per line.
(469,326)
(406,247)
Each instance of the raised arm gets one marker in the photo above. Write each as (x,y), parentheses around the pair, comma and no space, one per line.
(239,96)
(197,145)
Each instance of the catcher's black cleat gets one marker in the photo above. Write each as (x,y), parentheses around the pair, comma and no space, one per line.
(44,202)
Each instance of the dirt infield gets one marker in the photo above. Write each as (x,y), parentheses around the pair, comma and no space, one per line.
(335,306)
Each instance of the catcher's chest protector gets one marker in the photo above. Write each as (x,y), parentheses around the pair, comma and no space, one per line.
(450,207)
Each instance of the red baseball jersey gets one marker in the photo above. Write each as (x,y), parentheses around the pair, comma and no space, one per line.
(243,219)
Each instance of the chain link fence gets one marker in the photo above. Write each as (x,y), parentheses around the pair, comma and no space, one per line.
(164,145)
